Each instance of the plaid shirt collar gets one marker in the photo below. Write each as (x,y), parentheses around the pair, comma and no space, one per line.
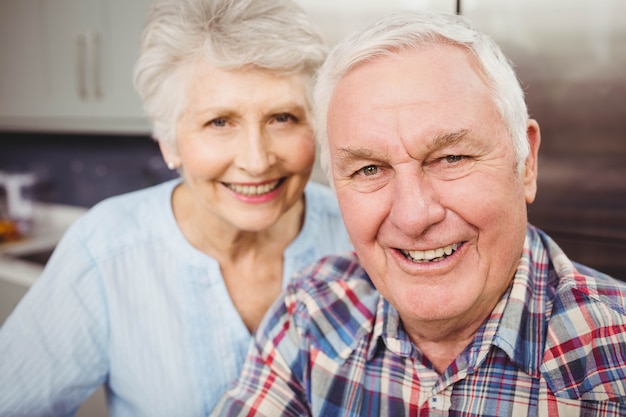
(516,325)
(527,324)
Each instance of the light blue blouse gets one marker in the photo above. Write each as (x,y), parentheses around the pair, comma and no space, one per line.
(125,300)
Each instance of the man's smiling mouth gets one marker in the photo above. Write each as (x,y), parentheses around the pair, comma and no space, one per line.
(255,190)
(431,255)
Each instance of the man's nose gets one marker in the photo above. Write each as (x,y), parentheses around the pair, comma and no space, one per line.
(415,204)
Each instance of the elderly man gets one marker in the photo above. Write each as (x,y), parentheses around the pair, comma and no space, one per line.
(452,304)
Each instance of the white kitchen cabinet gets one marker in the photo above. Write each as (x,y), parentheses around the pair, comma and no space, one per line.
(66,65)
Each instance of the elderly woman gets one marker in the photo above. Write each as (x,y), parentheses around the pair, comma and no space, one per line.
(156,293)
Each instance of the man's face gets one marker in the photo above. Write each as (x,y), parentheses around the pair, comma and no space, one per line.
(425,174)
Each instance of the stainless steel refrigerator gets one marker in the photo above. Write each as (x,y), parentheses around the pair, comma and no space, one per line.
(570,56)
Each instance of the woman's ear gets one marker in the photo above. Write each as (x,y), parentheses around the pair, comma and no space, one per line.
(170,155)
(533,135)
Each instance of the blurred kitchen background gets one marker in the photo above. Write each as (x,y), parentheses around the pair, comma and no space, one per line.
(69,114)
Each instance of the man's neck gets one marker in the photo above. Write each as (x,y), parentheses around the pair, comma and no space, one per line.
(442,342)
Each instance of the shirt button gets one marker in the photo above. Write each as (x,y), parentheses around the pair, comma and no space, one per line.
(434,402)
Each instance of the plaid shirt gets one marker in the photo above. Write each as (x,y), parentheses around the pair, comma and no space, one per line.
(555,345)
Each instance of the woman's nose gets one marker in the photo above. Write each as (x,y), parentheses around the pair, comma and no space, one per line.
(256,155)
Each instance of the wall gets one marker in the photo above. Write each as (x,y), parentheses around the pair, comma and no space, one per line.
(80,169)
(571,61)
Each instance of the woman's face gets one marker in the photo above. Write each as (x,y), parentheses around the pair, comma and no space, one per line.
(244,143)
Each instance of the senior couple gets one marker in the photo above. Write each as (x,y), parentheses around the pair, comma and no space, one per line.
(423,292)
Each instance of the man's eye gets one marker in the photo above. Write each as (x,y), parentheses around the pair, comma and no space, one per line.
(450,167)
(453,158)
(368,170)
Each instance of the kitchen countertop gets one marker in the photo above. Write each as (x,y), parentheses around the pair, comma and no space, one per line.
(49,224)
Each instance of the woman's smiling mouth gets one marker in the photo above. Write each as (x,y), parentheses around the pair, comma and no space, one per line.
(254,190)
(431,255)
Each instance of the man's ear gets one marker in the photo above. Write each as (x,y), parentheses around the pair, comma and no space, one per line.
(530,167)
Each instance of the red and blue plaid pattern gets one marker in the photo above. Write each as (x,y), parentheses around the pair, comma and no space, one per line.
(555,345)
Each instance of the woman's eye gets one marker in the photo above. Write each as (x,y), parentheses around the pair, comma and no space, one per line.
(368,170)
(218,122)
(286,117)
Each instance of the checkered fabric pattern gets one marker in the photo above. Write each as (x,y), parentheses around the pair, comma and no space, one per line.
(555,345)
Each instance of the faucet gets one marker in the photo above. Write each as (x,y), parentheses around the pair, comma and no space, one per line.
(18,199)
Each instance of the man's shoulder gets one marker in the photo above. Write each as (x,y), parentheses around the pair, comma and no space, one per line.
(334,279)
(592,293)
(334,303)
(585,355)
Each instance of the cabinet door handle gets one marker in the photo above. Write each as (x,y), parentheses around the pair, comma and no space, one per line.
(88,66)
(95,62)
(81,52)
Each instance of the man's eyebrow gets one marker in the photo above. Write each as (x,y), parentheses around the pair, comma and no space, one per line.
(354,153)
(437,142)
(447,139)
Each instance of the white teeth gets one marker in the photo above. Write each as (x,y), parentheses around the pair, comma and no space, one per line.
(431,254)
(253,190)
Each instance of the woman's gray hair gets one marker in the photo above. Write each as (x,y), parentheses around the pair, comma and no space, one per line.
(274,35)
(407,30)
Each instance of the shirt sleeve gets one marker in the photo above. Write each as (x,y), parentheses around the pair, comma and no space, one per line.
(53,346)
(271,380)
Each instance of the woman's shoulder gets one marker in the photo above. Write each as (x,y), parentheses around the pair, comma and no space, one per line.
(319,190)
(128,213)
(158,193)
(323,217)
(321,198)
